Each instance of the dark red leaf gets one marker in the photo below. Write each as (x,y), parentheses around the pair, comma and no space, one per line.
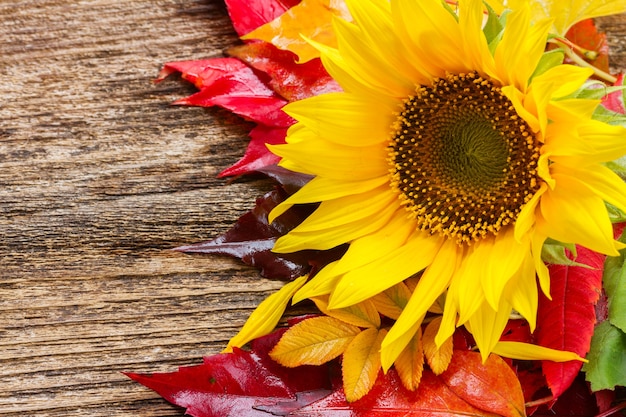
(576,401)
(289,79)
(567,322)
(252,238)
(248,15)
(257,156)
(236,384)
(586,35)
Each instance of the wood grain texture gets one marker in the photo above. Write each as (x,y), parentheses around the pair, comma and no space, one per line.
(99,177)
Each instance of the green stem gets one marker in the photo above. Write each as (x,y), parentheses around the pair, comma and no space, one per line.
(569,47)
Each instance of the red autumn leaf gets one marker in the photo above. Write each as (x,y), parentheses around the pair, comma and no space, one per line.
(388,398)
(252,238)
(576,401)
(257,156)
(586,35)
(236,384)
(289,79)
(567,322)
(231,84)
(202,72)
(491,386)
(248,15)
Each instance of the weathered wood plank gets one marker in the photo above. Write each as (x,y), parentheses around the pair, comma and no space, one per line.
(99,177)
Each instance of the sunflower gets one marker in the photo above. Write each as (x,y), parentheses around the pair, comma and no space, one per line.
(451,157)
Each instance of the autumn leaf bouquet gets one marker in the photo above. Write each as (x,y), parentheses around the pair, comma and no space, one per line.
(449,199)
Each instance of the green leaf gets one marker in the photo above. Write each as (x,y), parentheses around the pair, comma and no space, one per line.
(493,27)
(607,361)
(615,214)
(615,286)
(618,166)
(553,252)
(548,60)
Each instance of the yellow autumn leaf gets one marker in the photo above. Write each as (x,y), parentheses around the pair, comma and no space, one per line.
(266,316)
(410,363)
(311,19)
(565,13)
(361,363)
(313,341)
(390,302)
(363,314)
(438,358)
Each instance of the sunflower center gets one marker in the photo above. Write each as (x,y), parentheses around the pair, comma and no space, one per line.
(462,159)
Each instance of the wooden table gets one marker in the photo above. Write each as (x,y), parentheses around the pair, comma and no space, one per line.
(99,177)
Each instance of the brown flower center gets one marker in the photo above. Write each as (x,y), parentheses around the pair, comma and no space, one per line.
(462,159)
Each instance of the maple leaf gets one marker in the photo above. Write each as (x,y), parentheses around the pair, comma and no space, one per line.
(290,79)
(257,156)
(247,15)
(310,19)
(231,84)
(567,321)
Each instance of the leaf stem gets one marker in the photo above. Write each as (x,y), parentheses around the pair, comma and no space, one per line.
(540,401)
(611,411)
(569,47)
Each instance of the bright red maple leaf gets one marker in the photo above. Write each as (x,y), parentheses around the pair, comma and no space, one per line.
(248,15)
(567,321)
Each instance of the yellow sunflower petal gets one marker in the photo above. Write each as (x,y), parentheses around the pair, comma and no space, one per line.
(390,351)
(322,189)
(266,316)
(527,351)
(386,271)
(431,284)
(368,248)
(521,292)
(321,284)
(520,49)
(571,214)
(486,325)
(335,161)
(348,209)
(333,236)
(599,180)
(359,122)
(503,261)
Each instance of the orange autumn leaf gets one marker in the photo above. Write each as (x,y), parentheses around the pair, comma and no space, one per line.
(362,314)
(311,19)
(410,363)
(392,301)
(361,363)
(438,358)
(492,386)
(313,342)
